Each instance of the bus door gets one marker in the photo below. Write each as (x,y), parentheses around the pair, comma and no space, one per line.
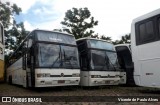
(30,68)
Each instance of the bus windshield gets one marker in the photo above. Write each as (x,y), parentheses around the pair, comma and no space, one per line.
(57,56)
(103,60)
(103,55)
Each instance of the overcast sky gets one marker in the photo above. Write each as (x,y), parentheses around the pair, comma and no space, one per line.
(114,16)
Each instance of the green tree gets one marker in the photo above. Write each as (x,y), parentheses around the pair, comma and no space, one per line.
(14,32)
(95,36)
(109,39)
(117,42)
(15,35)
(79,22)
(106,38)
(8,12)
(58,30)
(124,39)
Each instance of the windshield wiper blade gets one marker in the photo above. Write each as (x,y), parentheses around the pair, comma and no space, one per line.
(111,62)
(106,64)
(56,59)
(67,60)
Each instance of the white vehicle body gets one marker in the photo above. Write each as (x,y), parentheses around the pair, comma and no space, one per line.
(46,61)
(1,52)
(98,61)
(145,45)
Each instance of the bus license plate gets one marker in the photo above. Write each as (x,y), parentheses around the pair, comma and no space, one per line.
(61,81)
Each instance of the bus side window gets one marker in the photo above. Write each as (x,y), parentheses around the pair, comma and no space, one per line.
(159,26)
(28,59)
(1,34)
(24,62)
(29,52)
(146,32)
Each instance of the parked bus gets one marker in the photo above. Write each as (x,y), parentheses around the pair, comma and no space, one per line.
(45,59)
(145,45)
(125,61)
(1,53)
(98,63)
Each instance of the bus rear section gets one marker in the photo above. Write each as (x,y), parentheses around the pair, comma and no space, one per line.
(145,44)
(50,59)
(125,62)
(1,53)
(98,62)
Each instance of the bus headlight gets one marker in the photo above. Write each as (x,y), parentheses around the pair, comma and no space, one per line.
(43,75)
(95,76)
(75,75)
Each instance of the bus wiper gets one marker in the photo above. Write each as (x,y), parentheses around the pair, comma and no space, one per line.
(110,62)
(67,59)
(106,64)
(56,59)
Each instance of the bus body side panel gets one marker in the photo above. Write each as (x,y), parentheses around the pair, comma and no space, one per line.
(84,78)
(106,78)
(146,56)
(149,63)
(134,56)
(150,73)
(17,73)
(1,70)
(56,77)
(1,62)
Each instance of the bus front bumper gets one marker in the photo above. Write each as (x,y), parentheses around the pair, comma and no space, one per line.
(56,82)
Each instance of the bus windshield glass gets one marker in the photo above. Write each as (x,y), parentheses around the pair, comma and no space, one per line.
(103,60)
(103,56)
(57,56)
(49,36)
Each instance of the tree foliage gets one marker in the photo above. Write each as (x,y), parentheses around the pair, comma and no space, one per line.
(14,32)
(124,39)
(8,12)
(106,38)
(103,37)
(15,35)
(79,22)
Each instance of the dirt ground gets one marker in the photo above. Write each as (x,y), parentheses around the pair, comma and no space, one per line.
(14,90)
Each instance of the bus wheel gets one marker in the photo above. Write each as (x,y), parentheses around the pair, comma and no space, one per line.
(10,80)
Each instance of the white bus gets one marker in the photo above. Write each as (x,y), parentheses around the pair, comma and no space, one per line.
(1,53)
(98,62)
(45,59)
(145,45)
(125,61)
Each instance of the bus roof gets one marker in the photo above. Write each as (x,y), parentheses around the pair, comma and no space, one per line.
(34,31)
(145,16)
(53,31)
(89,38)
(46,31)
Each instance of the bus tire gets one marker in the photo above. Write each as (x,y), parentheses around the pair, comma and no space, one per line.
(10,80)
